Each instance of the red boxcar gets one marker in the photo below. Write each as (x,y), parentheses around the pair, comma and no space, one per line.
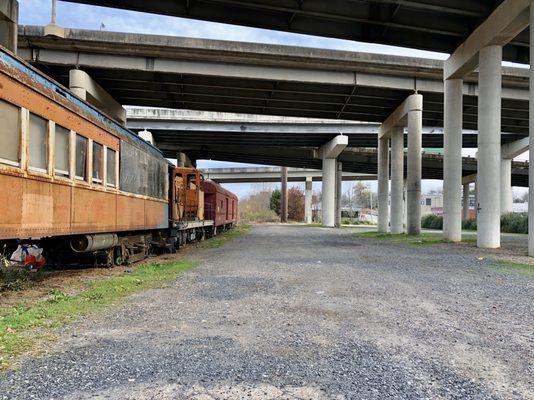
(220,205)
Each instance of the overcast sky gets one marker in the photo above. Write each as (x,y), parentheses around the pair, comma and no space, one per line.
(37,12)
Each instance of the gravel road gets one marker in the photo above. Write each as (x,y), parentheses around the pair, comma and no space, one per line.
(289,312)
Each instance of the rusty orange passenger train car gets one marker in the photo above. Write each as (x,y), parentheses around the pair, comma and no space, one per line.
(79,182)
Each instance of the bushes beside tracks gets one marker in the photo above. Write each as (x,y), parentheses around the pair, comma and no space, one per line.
(510,223)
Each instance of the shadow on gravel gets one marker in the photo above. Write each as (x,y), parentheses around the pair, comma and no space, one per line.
(123,368)
(236,287)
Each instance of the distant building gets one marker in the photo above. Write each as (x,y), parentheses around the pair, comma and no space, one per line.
(432,204)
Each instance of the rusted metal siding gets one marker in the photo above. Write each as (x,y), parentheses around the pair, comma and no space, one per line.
(216,199)
(40,204)
(10,205)
(38,208)
(93,210)
(156,214)
(130,213)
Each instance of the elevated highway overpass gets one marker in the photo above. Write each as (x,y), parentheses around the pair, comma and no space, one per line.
(287,141)
(420,24)
(272,174)
(172,72)
(174,129)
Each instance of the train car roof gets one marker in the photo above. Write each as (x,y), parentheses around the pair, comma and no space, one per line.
(11,60)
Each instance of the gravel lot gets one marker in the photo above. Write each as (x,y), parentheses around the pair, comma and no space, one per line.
(291,312)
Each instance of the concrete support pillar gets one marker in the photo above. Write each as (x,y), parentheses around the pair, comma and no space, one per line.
(308,197)
(86,88)
(9,17)
(489,147)
(339,188)
(181,159)
(383,184)
(52,29)
(283,199)
(415,129)
(397,180)
(329,153)
(405,199)
(476,201)
(465,203)
(329,192)
(452,162)
(507,199)
(531,142)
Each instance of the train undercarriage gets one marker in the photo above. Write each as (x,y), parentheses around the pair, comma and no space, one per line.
(114,249)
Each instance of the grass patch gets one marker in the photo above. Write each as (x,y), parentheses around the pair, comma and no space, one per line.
(224,237)
(424,239)
(22,328)
(513,267)
(16,278)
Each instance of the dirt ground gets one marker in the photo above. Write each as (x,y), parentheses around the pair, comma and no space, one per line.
(73,280)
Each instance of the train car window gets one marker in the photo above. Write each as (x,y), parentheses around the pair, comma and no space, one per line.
(61,142)
(157,177)
(110,167)
(133,169)
(81,157)
(97,162)
(9,133)
(38,143)
(191,182)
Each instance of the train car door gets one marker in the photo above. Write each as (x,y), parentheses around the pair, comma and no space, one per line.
(179,197)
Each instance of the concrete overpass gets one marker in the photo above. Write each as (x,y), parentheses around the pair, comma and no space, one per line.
(429,25)
(272,174)
(161,71)
(174,129)
(289,141)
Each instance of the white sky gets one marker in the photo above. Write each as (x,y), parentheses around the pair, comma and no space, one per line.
(37,12)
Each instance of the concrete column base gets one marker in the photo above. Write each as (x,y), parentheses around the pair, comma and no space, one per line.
(383,184)
(489,147)
(339,188)
(329,192)
(397,181)
(308,199)
(452,163)
(415,129)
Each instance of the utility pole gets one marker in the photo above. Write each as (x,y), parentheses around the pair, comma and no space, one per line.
(283,200)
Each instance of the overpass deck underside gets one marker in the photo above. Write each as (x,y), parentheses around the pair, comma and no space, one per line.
(429,24)
(271,97)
